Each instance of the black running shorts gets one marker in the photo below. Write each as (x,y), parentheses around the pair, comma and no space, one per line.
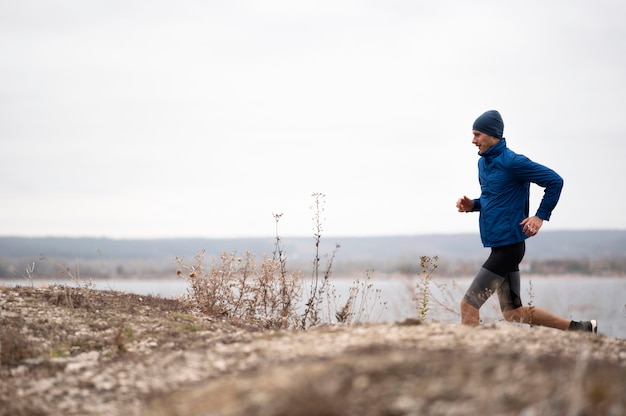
(500,273)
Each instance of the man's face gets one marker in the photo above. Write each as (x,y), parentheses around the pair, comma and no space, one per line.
(483,141)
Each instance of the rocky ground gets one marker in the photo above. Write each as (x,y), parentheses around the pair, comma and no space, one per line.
(77,351)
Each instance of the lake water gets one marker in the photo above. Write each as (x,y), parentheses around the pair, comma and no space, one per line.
(579,298)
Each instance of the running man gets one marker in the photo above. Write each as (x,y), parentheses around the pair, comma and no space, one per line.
(504,222)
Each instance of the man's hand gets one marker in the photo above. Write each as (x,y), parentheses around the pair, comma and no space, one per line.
(465,204)
(531,225)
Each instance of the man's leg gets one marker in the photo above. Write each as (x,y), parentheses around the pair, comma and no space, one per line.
(490,278)
(536,316)
(470,316)
(484,285)
(513,311)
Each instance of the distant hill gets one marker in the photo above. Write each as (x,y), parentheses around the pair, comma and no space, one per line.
(549,244)
(360,252)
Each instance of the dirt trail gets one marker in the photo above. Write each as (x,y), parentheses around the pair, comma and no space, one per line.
(75,351)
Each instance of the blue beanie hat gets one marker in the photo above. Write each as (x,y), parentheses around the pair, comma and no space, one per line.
(490,123)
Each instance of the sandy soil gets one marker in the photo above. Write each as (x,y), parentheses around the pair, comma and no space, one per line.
(76,351)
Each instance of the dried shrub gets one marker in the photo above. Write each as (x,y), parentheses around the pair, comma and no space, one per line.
(239,288)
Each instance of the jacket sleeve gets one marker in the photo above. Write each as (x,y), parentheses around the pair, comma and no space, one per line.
(527,170)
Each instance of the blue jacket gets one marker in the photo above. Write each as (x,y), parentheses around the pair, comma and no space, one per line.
(505,179)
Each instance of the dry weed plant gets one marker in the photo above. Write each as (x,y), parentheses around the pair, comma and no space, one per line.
(362,301)
(531,297)
(74,295)
(30,270)
(423,293)
(318,288)
(266,293)
(74,277)
(64,272)
(321,304)
(436,300)
(448,301)
(238,288)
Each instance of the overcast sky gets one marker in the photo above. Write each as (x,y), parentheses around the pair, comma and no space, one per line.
(141,119)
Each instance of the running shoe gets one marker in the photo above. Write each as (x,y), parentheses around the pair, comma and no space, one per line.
(584,326)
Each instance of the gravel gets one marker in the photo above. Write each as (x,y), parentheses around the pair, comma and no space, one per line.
(78,351)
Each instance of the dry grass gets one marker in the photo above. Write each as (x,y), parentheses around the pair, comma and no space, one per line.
(265,293)
(235,287)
